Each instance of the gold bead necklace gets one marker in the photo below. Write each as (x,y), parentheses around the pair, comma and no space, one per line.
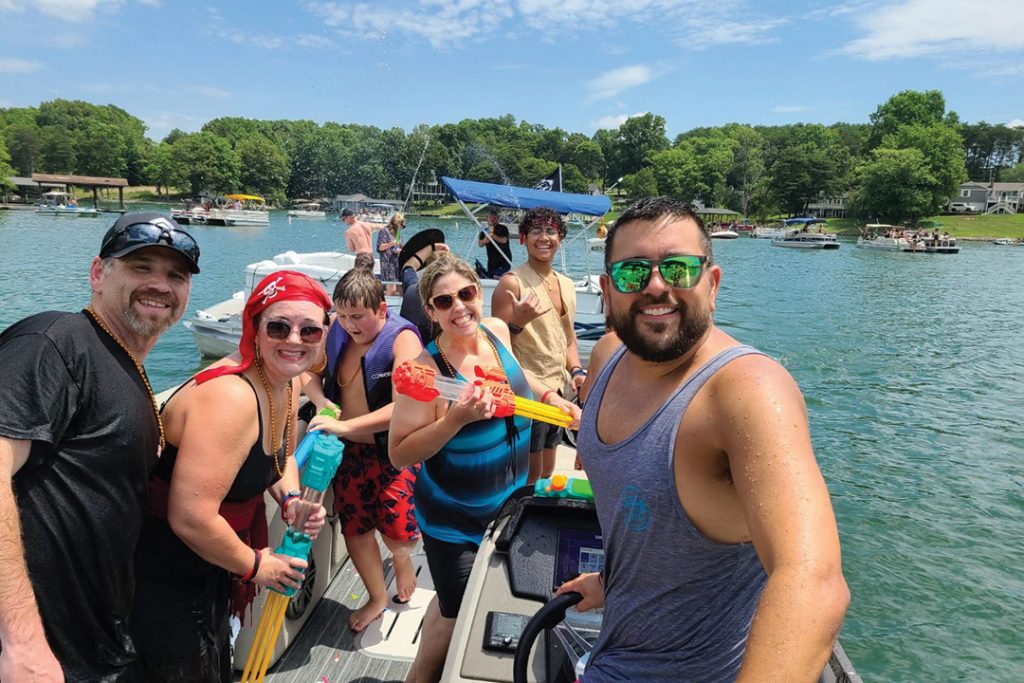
(274,445)
(142,374)
(486,339)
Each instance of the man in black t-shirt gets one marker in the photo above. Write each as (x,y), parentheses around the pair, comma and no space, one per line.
(79,434)
(499,250)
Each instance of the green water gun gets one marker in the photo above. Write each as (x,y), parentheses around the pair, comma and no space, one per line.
(561,486)
(322,454)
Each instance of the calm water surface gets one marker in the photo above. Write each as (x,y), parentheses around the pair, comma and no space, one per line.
(912,367)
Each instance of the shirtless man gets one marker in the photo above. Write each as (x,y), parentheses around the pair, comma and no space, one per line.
(364,342)
(359,235)
(722,555)
(539,306)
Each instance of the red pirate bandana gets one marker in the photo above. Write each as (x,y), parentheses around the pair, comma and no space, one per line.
(281,285)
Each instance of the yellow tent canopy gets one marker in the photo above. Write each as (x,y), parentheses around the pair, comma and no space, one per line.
(245,197)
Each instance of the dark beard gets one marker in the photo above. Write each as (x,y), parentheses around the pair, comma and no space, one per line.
(145,328)
(692,326)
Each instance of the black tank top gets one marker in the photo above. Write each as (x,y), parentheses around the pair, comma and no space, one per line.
(257,472)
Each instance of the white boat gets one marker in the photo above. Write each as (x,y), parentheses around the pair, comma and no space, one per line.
(218,329)
(307,210)
(883,237)
(242,209)
(1007,242)
(767,233)
(57,203)
(724,234)
(941,245)
(596,244)
(376,215)
(804,238)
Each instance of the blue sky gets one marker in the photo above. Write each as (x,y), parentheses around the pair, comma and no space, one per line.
(576,64)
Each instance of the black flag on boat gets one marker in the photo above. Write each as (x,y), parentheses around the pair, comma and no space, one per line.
(553,183)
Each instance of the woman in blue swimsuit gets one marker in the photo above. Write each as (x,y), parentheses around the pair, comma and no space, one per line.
(471,460)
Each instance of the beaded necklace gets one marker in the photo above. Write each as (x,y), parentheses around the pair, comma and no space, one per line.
(448,363)
(279,466)
(142,374)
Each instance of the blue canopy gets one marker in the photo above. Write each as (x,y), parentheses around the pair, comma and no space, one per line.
(511,197)
(803,221)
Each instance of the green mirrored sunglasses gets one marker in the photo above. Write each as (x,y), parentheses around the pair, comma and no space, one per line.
(681,271)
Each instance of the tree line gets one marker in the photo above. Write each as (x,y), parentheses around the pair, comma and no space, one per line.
(904,164)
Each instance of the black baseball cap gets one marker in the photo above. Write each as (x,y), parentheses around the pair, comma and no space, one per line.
(347,212)
(134,231)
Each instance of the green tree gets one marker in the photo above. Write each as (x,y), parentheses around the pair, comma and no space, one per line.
(804,162)
(641,184)
(24,143)
(101,151)
(941,145)
(56,150)
(894,185)
(906,108)
(5,163)
(1013,175)
(638,138)
(264,167)
(205,162)
(160,166)
(585,155)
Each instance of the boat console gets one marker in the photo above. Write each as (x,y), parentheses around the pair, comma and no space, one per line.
(536,544)
(509,628)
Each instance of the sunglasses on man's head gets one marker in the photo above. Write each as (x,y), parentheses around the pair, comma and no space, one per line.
(151,233)
(282,329)
(682,271)
(443,302)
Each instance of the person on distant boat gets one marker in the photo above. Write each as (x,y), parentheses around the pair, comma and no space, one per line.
(722,556)
(358,236)
(389,245)
(499,249)
(365,341)
(602,231)
(72,202)
(79,434)
(539,306)
(471,460)
(230,436)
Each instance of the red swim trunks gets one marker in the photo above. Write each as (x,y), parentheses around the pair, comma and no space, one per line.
(370,494)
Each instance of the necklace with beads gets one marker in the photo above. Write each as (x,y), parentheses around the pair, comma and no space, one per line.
(274,445)
(448,364)
(142,374)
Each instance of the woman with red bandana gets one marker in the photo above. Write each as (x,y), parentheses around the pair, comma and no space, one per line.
(230,435)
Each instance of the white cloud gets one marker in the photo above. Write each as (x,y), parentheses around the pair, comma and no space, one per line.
(613,122)
(13,65)
(789,108)
(71,10)
(209,91)
(161,123)
(916,28)
(1016,123)
(449,23)
(611,83)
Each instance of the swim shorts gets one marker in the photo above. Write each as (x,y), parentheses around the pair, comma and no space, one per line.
(544,435)
(372,494)
(450,565)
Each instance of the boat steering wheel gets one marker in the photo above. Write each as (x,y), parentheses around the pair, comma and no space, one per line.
(546,618)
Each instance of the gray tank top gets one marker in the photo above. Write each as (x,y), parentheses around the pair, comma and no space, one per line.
(678,606)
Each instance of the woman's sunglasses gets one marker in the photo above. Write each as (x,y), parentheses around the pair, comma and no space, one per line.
(443,302)
(281,330)
(679,272)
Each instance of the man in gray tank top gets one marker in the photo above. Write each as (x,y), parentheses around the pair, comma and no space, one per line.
(722,554)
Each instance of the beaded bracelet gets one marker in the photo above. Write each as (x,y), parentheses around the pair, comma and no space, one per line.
(288,499)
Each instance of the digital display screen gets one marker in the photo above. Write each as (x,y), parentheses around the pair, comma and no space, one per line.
(579,551)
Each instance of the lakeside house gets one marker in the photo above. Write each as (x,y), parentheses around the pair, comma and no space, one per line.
(978,197)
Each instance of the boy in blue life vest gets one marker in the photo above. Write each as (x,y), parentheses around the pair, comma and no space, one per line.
(365,341)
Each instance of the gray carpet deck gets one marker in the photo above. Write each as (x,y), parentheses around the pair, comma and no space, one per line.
(326,650)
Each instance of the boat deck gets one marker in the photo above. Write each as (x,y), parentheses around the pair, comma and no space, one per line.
(325,649)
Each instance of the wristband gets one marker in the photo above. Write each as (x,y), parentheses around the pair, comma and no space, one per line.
(251,574)
(544,396)
(514,329)
(576,372)
(289,497)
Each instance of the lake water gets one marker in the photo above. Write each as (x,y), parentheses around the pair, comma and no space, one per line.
(913,370)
